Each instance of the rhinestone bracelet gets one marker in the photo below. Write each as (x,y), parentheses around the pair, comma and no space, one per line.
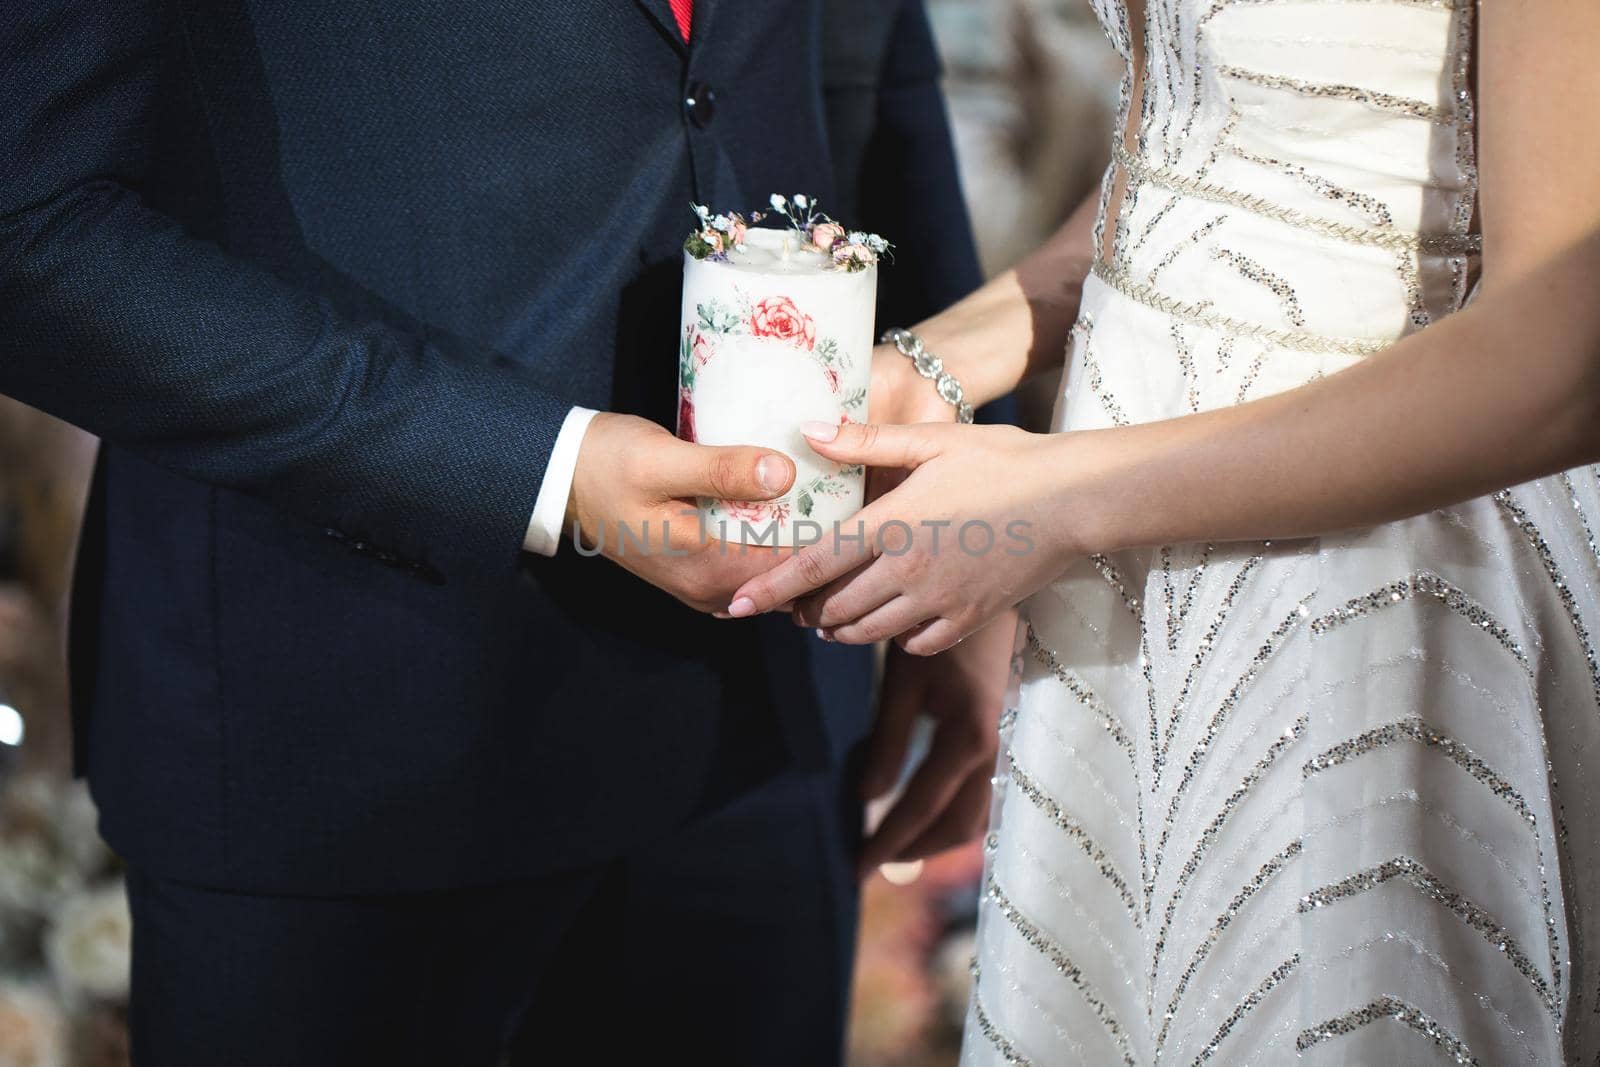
(930,366)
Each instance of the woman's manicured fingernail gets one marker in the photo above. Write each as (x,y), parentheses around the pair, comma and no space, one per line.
(742,607)
(820,431)
(823,634)
(902,872)
(772,472)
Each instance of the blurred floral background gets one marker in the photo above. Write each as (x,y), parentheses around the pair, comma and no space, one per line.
(1031,84)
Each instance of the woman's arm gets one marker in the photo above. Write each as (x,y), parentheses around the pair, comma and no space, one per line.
(1012,328)
(1500,393)
(1504,391)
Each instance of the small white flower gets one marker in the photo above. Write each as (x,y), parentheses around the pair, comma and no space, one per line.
(801,201)
(778,203)
(721,223)
(856,237)
(702,212)
(876,243)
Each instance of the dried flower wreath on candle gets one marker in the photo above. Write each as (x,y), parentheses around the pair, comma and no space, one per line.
(847,250)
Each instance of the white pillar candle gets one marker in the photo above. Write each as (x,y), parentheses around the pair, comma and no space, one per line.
(776,334)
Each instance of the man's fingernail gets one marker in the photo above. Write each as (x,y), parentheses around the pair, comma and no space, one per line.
(820,431)
(823,634)
(772,472)
(742,607)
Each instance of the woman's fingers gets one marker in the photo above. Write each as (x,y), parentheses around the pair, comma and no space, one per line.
(844,600)
(805,572)
(963,820)
(902,700)
(895,617)
(926,798)
(937,636)
(872,444)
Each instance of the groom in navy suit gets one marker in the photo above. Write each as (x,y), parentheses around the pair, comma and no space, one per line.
(398,780)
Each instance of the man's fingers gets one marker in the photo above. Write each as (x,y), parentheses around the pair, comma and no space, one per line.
(927,795)
(902,699)
(801,574)
(702,577)
(734,472)
(872,444)
(965,819)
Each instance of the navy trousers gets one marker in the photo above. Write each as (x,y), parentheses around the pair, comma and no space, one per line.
(729,942)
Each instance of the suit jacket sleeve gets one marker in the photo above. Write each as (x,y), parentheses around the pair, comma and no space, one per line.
(910,190)
(114,319)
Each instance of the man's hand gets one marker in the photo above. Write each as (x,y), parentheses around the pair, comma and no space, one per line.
(633,473)
(946,802)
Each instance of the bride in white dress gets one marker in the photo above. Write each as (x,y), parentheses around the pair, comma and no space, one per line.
(1268,790)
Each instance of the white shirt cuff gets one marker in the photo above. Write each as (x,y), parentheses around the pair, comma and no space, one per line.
(550,508)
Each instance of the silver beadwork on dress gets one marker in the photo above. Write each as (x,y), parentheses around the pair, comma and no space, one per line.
(1321,801)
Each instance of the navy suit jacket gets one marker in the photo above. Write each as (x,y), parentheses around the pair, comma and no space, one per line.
(325,276)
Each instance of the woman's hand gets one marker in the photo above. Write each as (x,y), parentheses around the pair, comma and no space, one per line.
(945,800)
(902,396)
(976,526)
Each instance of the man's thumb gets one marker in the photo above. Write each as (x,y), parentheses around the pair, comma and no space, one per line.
(731,472)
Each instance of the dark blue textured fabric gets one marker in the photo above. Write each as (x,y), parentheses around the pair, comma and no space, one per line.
(325,276)
(727,942)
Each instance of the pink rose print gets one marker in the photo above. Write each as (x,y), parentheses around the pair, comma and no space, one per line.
(685,416)
(777,317)
(757,511)
(833,378)
(702,349)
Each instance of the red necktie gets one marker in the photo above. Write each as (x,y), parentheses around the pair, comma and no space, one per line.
(683,11)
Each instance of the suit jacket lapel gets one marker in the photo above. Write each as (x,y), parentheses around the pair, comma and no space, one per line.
(662,13)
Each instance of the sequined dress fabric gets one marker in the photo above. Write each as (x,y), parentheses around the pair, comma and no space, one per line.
(1327,799)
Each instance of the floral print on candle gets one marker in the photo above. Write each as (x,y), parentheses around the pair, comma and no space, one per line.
(777,331)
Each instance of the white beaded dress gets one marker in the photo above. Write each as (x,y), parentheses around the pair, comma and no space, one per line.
(1333,799)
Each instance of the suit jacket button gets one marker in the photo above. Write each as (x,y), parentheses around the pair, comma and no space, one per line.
(701,104)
